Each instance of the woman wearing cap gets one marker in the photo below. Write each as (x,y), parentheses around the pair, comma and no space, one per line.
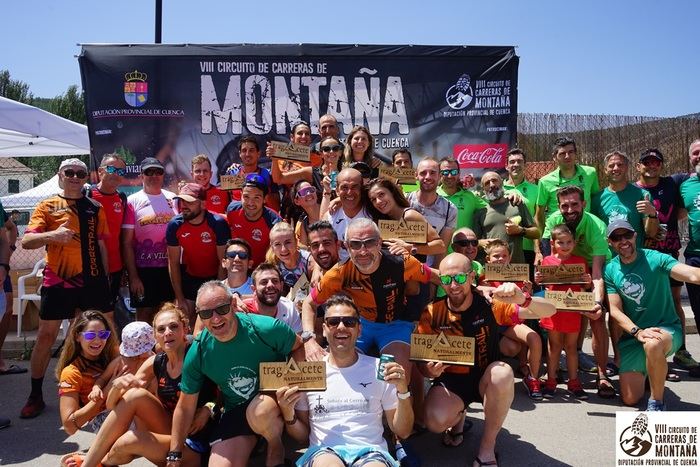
(87,352)
(359,147)
(149,398)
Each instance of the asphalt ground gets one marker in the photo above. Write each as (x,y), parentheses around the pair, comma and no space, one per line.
(555,432)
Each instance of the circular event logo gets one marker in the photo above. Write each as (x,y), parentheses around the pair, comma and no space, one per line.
(635,440)
(460,95)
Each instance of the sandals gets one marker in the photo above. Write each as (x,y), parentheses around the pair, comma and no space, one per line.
(672,376)
(77,459)
(605,388)
(449,437)
(611,370)
(13,370)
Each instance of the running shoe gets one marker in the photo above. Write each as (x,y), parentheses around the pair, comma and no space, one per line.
(576,390)
(533,388)
(549,388)
(683,359)
(586,363)
(655,406)
(33,407)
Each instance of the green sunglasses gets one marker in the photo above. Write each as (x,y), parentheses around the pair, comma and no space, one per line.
(460,278)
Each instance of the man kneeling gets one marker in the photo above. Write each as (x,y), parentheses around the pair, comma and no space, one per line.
(354,400)
(466,313)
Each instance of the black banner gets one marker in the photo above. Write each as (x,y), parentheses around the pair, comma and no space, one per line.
(176,101)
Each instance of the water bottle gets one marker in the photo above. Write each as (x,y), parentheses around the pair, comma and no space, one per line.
(334,180)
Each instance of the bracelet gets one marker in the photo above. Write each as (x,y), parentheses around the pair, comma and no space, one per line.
(528,300)
(655,216)
(174,456)
(403,395)
(292,421)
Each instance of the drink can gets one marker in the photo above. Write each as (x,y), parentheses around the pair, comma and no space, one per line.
(334,179)
(383,360)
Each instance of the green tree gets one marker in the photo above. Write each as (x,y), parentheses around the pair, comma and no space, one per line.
(70,105)
(14,89)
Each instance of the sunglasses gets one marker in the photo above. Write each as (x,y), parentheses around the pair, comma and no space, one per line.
(309,190)
(460,278)
(333,148)
(453,172)
(91,335)
(153,172)
(70,173)
(617,237)
(110,169)
(255,178)
(348,321)
(237,254)
(367,243)
(466,243)
(220,310)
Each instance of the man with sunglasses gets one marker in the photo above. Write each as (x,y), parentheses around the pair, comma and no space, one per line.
(196,244)
(250,219)
(144,247)
(249,153)
(668,203)
(229,352)
(644,309)
(375,280)
(466,202)
(73,229)
(111,174)
(354,399)
(489,381)
(237,262)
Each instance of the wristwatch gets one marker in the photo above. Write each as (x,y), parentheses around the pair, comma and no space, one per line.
(403,395)
(633,332)
(306,336)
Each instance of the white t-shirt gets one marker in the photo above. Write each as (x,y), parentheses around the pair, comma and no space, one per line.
(286,312)
(340,221)
(350,410)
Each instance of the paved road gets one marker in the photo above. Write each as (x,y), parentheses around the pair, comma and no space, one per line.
(556,432)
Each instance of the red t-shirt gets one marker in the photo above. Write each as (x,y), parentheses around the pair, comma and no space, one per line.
(256,233)
(217,200)
(198,243)
(563,321)
(114,207)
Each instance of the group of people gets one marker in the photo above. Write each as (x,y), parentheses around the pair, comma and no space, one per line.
(293,264)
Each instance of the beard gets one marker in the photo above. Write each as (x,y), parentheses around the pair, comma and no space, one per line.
(697,170)
(494,195)
(262,298)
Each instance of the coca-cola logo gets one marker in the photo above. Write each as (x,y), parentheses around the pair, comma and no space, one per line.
(480,156)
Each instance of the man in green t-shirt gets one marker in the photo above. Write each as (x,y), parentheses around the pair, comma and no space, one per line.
(640,302)
(515,166)
(568,172)
(466,202)
(624,200)
(589,236)
(229,352)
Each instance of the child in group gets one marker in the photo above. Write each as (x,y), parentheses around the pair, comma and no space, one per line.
(519,340)
(563,327)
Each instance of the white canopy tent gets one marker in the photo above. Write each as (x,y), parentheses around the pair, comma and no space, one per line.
(26,131)
(27,200)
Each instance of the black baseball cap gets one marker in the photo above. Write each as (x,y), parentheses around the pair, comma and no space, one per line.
(652,152)
(150,163)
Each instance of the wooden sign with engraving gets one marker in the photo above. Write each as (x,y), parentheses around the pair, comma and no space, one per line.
(405,176)
(570,300)
(507,272)
(232,182)
(562,274)
(291,151)
(308,376)
(453,350)
(408,231)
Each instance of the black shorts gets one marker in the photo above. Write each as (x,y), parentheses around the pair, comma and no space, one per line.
(115,282)
(232,423)
(7,285)
(191,284)
(59,303)
(156,288)
(464,386)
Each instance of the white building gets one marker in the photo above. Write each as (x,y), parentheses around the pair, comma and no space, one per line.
(15,177)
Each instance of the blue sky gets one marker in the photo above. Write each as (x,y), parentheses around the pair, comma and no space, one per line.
(594,57)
